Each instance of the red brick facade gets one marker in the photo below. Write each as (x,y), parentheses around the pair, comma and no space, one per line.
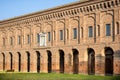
(82,38)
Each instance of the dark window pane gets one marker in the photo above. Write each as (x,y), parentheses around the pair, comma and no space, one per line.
(54,35)
(75,33)
(108,30)
(28,36)
(90,31)
(49,36)
(3,41)
(11,41)
(19,40)
(61,34)
(38,38)
(82,32)
(98,30)
(117,28)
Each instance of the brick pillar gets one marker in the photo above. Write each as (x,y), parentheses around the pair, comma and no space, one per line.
(1,62)
(55,62)
(68,63)
(15,60)
(43,61)
(116,65)
(24,62)
(33,62)
(99,65)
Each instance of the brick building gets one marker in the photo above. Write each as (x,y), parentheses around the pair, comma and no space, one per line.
(81,37)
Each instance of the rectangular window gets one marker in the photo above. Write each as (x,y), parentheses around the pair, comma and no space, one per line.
(61,34)
(42,39)
(108,30)
(118,28)
(19,39)
(28,37)
(98,30)
(90,31)
(54,35)
(3,41)
(49,36)
(11,41)
(38,38)
(82,32)
(67,33)
(74,33)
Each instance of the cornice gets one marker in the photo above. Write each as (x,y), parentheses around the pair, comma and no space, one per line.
(79,7)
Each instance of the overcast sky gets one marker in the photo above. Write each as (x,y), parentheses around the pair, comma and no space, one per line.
(13,8)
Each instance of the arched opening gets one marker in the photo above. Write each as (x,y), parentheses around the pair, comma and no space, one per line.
(38,61)
(91,61)
(61,53)
(3,61)
(49,61)
(28,62)
(11,60)
(108,61)
(19,61)
(75,61)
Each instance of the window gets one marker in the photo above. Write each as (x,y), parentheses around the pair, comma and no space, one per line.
(3,41)
(19,40)
(42,39)
(28,37)
(38,38)
(61,34)
(49,36)
(98,30)
(108,30)
(54,35)
(11,41)
(67,34)
(82,32)
(74,33)
(90,31)
(117,28)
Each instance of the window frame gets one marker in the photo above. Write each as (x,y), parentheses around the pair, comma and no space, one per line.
(38,38)
(19,39)
(108,29)
(90,31)
(74,33)
(61,34)
(11,40)
(49,36)
(28,39)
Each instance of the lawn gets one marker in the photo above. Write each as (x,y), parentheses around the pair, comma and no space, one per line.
(53,76)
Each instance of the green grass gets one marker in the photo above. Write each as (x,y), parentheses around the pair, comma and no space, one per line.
(53,76)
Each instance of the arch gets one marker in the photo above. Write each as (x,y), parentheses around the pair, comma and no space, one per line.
(38,61)
(28,61)
(91,61)
(61,59)
(108,60)
(49,61)
(19,61)
(75,61)
(11,60)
